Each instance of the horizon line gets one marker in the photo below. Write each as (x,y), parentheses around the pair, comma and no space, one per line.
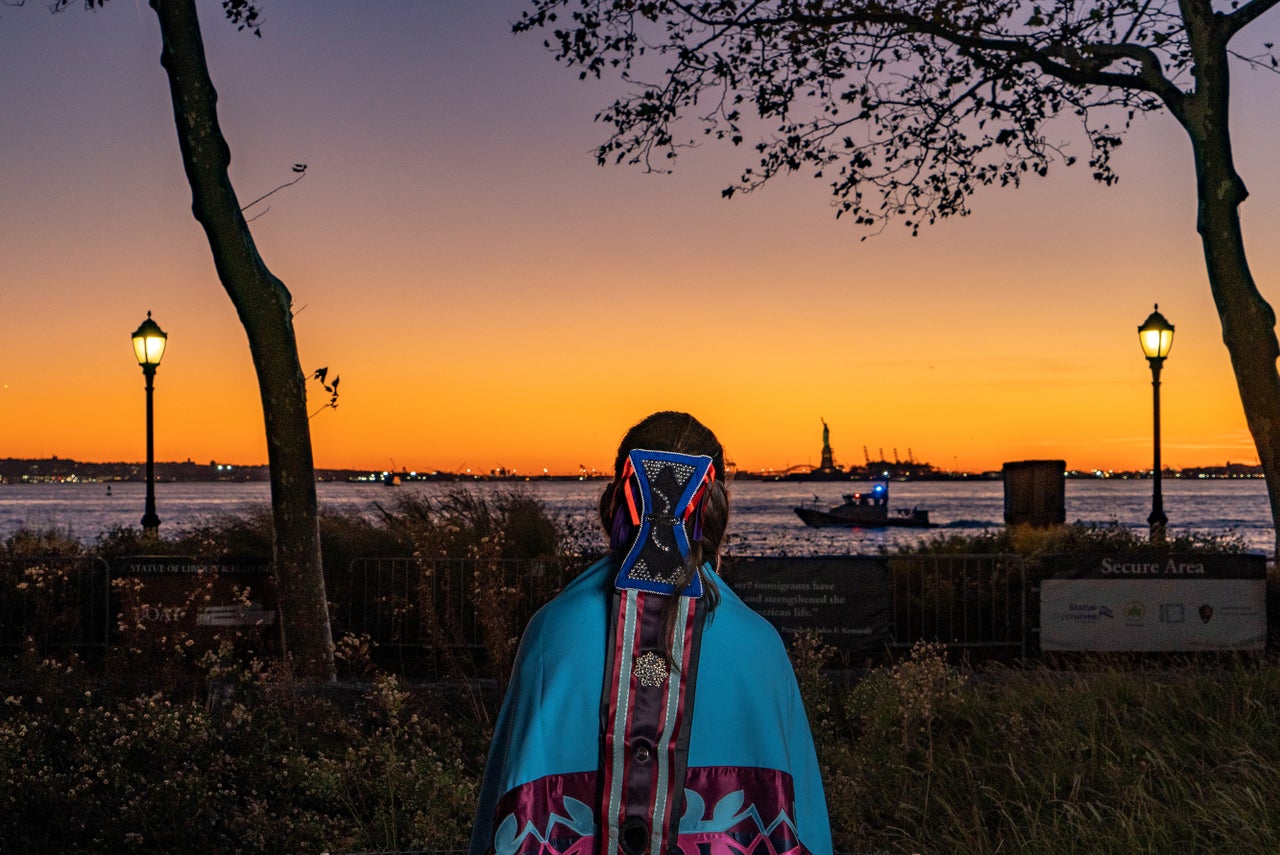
(501,472)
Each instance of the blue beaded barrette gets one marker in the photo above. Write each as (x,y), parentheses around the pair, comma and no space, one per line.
(663,491)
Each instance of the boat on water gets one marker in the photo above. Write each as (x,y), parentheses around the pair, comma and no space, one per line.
(864,510)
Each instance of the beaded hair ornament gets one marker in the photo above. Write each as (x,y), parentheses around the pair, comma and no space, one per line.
(663,491)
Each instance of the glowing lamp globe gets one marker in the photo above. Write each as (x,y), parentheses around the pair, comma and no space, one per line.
(1156,335)
(148,343)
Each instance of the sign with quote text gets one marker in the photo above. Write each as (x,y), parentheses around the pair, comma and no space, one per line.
(1153,603)
(845,599)
(194,596)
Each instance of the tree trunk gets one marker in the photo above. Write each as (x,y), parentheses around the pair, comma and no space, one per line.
(264,306)
(1248,321)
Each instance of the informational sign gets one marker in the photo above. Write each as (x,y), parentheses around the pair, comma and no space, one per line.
(844,599)
(1153,603)
(195,596)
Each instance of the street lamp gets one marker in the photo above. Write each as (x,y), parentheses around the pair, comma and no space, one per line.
(1156,336)
(148,346)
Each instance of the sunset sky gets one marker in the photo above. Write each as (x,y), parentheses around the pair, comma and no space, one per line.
(455,254)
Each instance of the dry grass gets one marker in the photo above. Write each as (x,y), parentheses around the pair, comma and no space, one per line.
(1105,758)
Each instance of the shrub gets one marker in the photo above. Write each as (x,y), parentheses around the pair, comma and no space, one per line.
(1076,537)
(459,522)
(257,766)
(39,543)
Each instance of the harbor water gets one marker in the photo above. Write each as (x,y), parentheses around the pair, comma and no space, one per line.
(762,518)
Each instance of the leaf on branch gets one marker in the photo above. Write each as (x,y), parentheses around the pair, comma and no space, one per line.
(321,375)
(244,14)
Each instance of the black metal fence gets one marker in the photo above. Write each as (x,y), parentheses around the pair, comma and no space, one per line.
(447,606)
(444,612)
(963,601)
(428,613)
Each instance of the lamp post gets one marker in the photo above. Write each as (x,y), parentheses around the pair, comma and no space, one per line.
(148,346)
(1156,337)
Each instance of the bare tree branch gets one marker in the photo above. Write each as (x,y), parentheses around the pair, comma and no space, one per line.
(299,168)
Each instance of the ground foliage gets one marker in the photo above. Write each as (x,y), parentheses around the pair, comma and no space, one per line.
(102,756)
(918,756)
(249,762)
(1101,757)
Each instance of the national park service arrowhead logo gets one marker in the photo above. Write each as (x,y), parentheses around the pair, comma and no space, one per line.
(1206,612)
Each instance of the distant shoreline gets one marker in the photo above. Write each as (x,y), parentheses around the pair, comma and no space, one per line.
(56,470)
